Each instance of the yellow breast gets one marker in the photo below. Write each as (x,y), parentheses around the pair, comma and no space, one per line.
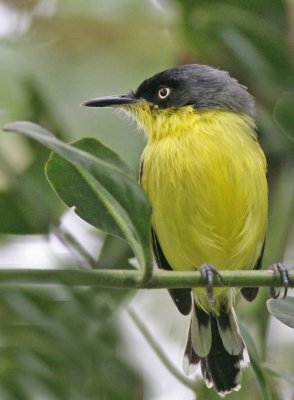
(205,176)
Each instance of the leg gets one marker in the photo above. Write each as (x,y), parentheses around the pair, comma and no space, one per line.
(207,272)
(282,270)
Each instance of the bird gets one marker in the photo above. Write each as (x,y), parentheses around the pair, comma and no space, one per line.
(204,174)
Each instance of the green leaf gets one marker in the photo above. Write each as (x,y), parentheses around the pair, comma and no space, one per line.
(283,310)
(71,186)
(126,209)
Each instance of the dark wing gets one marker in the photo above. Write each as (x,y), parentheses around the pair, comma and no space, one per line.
(140,173)
(250,293)
(181,297)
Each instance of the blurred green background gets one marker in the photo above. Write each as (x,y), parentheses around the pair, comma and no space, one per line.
(60,343)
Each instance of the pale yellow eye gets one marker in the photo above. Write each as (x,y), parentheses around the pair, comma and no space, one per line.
(163,92)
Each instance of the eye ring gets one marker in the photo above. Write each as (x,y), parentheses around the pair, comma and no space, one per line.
(163,92)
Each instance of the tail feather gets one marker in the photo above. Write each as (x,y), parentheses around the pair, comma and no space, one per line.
(222,360)
(191,359)
(223,368)
(200,332)
(229,331)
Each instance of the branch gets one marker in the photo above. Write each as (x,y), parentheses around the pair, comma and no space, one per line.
(133,279)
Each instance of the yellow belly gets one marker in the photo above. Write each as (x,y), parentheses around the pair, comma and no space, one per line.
(208,191)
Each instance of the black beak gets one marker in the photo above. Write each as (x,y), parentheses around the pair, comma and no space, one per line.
(112,101)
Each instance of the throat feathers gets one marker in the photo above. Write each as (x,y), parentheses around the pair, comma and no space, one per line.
(205,176)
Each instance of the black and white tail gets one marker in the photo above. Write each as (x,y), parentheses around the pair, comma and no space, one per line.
(215,342)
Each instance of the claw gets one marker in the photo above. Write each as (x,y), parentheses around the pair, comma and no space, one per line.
(273,293)
(282,270)
(207,272)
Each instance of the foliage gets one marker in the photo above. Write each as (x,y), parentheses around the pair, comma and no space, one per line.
(61,344)
(27,204)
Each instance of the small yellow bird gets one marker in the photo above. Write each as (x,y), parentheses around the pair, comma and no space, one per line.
(205,176)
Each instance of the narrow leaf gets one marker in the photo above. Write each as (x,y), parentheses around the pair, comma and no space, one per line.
(283,115)
(261,379)
(279,373)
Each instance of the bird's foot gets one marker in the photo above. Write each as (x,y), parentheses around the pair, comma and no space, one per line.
(208,272)
(283,271)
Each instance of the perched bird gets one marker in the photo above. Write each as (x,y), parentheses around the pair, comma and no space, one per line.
(205,176)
